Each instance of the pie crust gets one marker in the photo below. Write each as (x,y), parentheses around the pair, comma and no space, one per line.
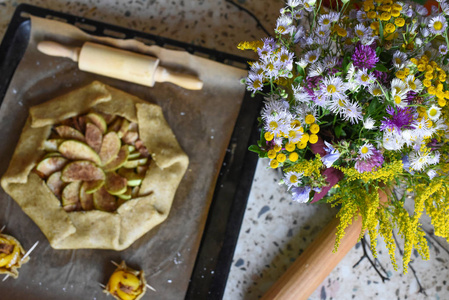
(96,229)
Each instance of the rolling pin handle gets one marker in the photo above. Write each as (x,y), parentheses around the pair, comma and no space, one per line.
(55,49)
(186,81)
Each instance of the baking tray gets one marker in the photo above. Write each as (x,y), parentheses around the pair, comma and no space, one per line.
(214,258)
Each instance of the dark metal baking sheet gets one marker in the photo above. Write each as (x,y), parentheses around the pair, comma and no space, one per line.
(226,212)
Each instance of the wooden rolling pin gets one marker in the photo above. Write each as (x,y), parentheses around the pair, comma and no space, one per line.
(120,64)
(312,267)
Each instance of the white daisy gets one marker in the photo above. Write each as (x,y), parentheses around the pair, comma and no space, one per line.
(418,160)
(327,19)
(333,86)
(366,151)
(432,174)
(292,179)
(413,83)
(442,49)
(437,25)
(284,24)
(316,69)
(322,32)
(352,112)
(376,90)
(392,141)
(421,128)
(421,10)
(363,78)
(369,124)
(312,56)
(361,16)
(399,60)
(293,3)
(434,112)
(301,95)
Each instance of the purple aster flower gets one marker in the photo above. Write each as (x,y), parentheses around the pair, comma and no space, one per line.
(364,57)
(401,118)
(301,194)
(370,164)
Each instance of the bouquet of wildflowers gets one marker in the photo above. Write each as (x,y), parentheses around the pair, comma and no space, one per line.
(355,103)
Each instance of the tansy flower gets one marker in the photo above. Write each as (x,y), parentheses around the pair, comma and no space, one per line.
(437,25)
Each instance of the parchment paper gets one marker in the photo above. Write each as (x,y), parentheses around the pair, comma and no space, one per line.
(202,122)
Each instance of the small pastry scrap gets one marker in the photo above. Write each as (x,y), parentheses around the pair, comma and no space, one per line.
(126,283)
(12,255)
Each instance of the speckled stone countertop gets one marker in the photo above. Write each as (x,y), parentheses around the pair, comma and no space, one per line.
(275,230)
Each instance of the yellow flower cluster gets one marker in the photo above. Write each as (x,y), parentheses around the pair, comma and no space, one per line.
(386,173)
(254,45)
(434,77)
(346,214)
(437,207)
(386,231)
(308,167)
(385,11)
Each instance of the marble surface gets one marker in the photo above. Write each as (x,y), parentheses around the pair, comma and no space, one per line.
(275,230)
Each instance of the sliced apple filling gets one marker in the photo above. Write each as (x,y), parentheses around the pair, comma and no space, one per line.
(94,161)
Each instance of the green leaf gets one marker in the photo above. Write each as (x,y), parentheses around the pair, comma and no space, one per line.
(339,132)
(378,51)
(299,79)
(381,68)
(256,149)
(300,71)
(372,107)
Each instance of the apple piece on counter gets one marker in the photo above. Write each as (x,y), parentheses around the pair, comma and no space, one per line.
(130,137)
(92,186)
(123,128)
(94,137)
(50,165)
(52,144)
(119,161)
(86,199)
(55,184)
(67,132)
(110,147)
(98,121)
(115,184)
(126,195)
(82,170)
(76,150)
(71,196)
(104,201)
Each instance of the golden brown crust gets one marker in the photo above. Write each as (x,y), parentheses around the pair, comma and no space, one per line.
(69,105)
(97,229)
